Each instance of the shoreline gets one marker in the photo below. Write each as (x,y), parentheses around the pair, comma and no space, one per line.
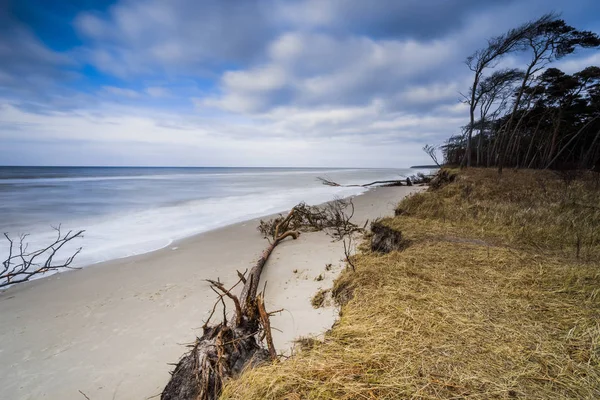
(110,329)
(126,213)
(172,245)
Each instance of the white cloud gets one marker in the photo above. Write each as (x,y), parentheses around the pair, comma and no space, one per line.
(169,139)
(260,79)
(121,91)
(178,36)
(157,91)
(317,69)
(576,64)
(432,93)
(303,82)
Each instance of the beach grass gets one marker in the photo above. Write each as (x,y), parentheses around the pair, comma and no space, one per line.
(497,296)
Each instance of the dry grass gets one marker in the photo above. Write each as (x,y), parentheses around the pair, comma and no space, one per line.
(540,209)
(318,300)
(492,303)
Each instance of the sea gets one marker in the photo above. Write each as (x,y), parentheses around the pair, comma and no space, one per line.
(127,211)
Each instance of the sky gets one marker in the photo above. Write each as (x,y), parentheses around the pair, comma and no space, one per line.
(299,83)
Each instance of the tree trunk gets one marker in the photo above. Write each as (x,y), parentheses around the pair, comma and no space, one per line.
(532,141)
(588,156)
(501,154)
(555,135)
(570,141)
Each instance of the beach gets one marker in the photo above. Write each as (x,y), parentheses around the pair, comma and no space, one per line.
(110,330)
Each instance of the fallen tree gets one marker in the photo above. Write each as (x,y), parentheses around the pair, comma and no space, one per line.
(245,340)
(408,181)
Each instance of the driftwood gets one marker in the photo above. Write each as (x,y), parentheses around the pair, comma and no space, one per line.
(408,181)
(23,264)
(225,349)
(394,182)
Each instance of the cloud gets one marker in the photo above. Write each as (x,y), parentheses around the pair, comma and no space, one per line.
(572,65)
(384,18)
(237,82)
(121,91)
(29,68)
(317,69)
(130,137)
(178,36)
(157,91)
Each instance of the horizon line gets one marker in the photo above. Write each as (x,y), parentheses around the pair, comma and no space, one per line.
(173,166)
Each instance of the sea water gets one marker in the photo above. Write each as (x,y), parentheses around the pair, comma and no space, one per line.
(127,211)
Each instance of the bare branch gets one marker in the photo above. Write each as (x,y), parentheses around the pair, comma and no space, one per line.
(236,301)
(264,319)
(22,266)
(348,253)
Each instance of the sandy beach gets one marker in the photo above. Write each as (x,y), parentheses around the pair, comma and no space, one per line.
(110,330)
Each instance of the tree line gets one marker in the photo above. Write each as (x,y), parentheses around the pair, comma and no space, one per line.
(535,116)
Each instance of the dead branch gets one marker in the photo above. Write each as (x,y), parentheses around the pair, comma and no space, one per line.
(242,276)
(264,318)
(21,264)
(236,302)
(328,182)
(348,253)
(83,394)
(248,296)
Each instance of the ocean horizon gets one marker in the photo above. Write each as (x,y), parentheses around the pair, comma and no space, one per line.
(128,211)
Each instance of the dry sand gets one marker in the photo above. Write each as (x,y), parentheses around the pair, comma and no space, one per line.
(109,330)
